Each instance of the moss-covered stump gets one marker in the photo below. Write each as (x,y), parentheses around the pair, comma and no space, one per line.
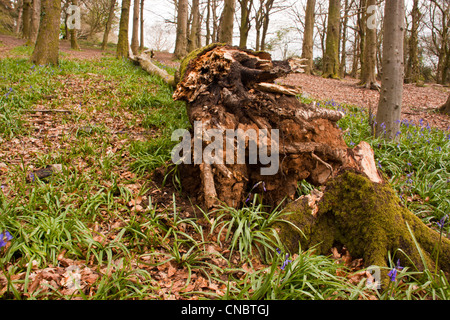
(369,219)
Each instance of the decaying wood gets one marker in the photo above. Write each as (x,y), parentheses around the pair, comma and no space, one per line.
(145,62)
(227,88)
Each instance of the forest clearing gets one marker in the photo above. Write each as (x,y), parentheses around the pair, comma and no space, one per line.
(93,207)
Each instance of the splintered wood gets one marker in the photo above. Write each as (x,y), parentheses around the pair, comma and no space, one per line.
(233,90)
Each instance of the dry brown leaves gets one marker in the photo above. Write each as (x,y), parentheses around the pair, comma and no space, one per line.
(418,102)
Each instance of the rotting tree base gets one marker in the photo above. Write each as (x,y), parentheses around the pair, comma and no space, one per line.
(227,88)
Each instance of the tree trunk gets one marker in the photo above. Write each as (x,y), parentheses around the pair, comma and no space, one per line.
(111,16)
(390,103)
(182,21)
(122,42)
(331,59)
(368,76)
(446,107)
(27,10)
(135,31)
(73,33)
(195,26)
(35,20)
(141,45)
(412,67)
(368,219)
(251,137)
(19,19)
(342,65)
(226,22)
(46,50)
(308,36)
(361,22)
(246,6)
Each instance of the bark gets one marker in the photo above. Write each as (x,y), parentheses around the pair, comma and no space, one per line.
(308,36)
(445,108)
(368,76)
(46,50)
(73,33)
(141,46)
(19,19)
(226,22)
(109,22)
(193,37)
(122,42)
(342,66)
(246,6)
(208,18)
(412,67)
(135,30)
(390,103)
(27,10)
(182,22)
(35,20)
(331,59)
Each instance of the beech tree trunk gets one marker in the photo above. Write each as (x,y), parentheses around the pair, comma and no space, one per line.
(308,36)
(122,42)
(368,76)
(135,32)
(46,50)
(193,37)
(27,10)
(35,21)
(73,33)
(182,22)
(412,68)
(226,22)
(331,59)
(390,103)
(111,16)
(246,6)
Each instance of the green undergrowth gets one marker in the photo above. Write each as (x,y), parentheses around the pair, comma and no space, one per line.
(98,211)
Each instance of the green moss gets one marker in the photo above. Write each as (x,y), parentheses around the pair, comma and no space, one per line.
(192,55)
(369,219)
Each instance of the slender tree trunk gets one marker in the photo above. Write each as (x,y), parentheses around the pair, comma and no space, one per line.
(208,17)
(244,29)
(412,67)
(27,10)
(266,19)
(122,42)
(19,17)
(368,76)
(46,50)
(308,36)
(331,59)
(141,45)
(182,21)
(226,22)
(35,20)
(108,24)
(135,33)
(342,66)
(362,34)
(355,63)
(390,103)
(73,33)
(193,37)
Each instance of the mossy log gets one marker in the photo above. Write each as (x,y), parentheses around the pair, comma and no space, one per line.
(366,217)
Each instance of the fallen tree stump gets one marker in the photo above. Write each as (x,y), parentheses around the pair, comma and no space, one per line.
(237,110)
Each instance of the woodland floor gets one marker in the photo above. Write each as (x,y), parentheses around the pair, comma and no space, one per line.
(93,100)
